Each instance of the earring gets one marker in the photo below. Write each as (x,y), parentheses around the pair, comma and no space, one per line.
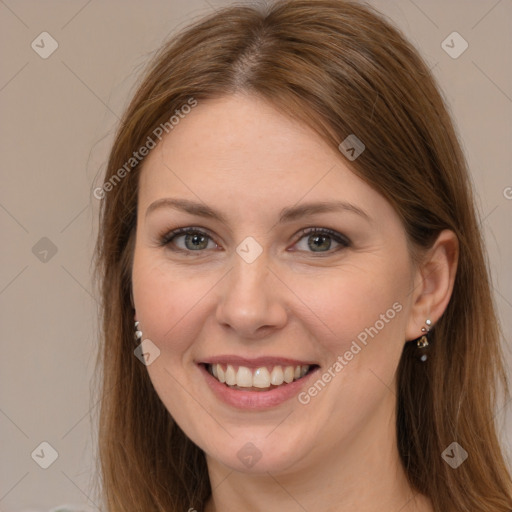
(422,343)
(138,333)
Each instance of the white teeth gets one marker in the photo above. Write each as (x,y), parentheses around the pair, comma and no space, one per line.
(221,375)
(260,377)
(230,376)
(289,372)
(277,377)
(243,377)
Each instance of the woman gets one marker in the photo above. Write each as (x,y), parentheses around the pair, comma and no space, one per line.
(296,306)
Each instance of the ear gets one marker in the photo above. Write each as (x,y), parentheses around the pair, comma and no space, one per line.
(433,283)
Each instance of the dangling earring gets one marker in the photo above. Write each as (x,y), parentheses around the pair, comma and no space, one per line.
(146,351)
(422,343)
(138,333)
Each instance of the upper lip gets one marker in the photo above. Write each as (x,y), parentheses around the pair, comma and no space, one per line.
(256,362)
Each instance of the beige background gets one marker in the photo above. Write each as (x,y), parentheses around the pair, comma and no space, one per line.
(57,121)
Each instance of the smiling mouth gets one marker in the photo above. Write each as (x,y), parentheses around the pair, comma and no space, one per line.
(258,379)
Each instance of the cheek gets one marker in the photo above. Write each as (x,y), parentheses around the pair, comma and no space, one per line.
(173,304)
(358,303)
(363,318)
(167,306)
(163,299)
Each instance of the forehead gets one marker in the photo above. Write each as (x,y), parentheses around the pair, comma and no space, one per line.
(241,153)
(242,130)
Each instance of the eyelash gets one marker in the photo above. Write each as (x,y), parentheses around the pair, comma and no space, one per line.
(167,238)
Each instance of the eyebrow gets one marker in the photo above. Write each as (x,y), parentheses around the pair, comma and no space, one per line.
(288,214)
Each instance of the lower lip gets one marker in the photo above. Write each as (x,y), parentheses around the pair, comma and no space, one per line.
(255,399)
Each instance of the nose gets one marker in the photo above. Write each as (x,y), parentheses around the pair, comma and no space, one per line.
(251,301)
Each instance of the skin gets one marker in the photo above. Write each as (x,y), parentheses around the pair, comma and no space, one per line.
(338,452)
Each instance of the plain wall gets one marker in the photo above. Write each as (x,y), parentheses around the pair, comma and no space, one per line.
(58,116)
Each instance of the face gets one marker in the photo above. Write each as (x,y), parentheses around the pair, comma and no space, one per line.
(302,310)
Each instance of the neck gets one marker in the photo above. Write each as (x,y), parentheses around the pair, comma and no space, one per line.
(363,473)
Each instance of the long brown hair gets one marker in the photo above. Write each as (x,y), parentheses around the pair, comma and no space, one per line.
(340,68)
